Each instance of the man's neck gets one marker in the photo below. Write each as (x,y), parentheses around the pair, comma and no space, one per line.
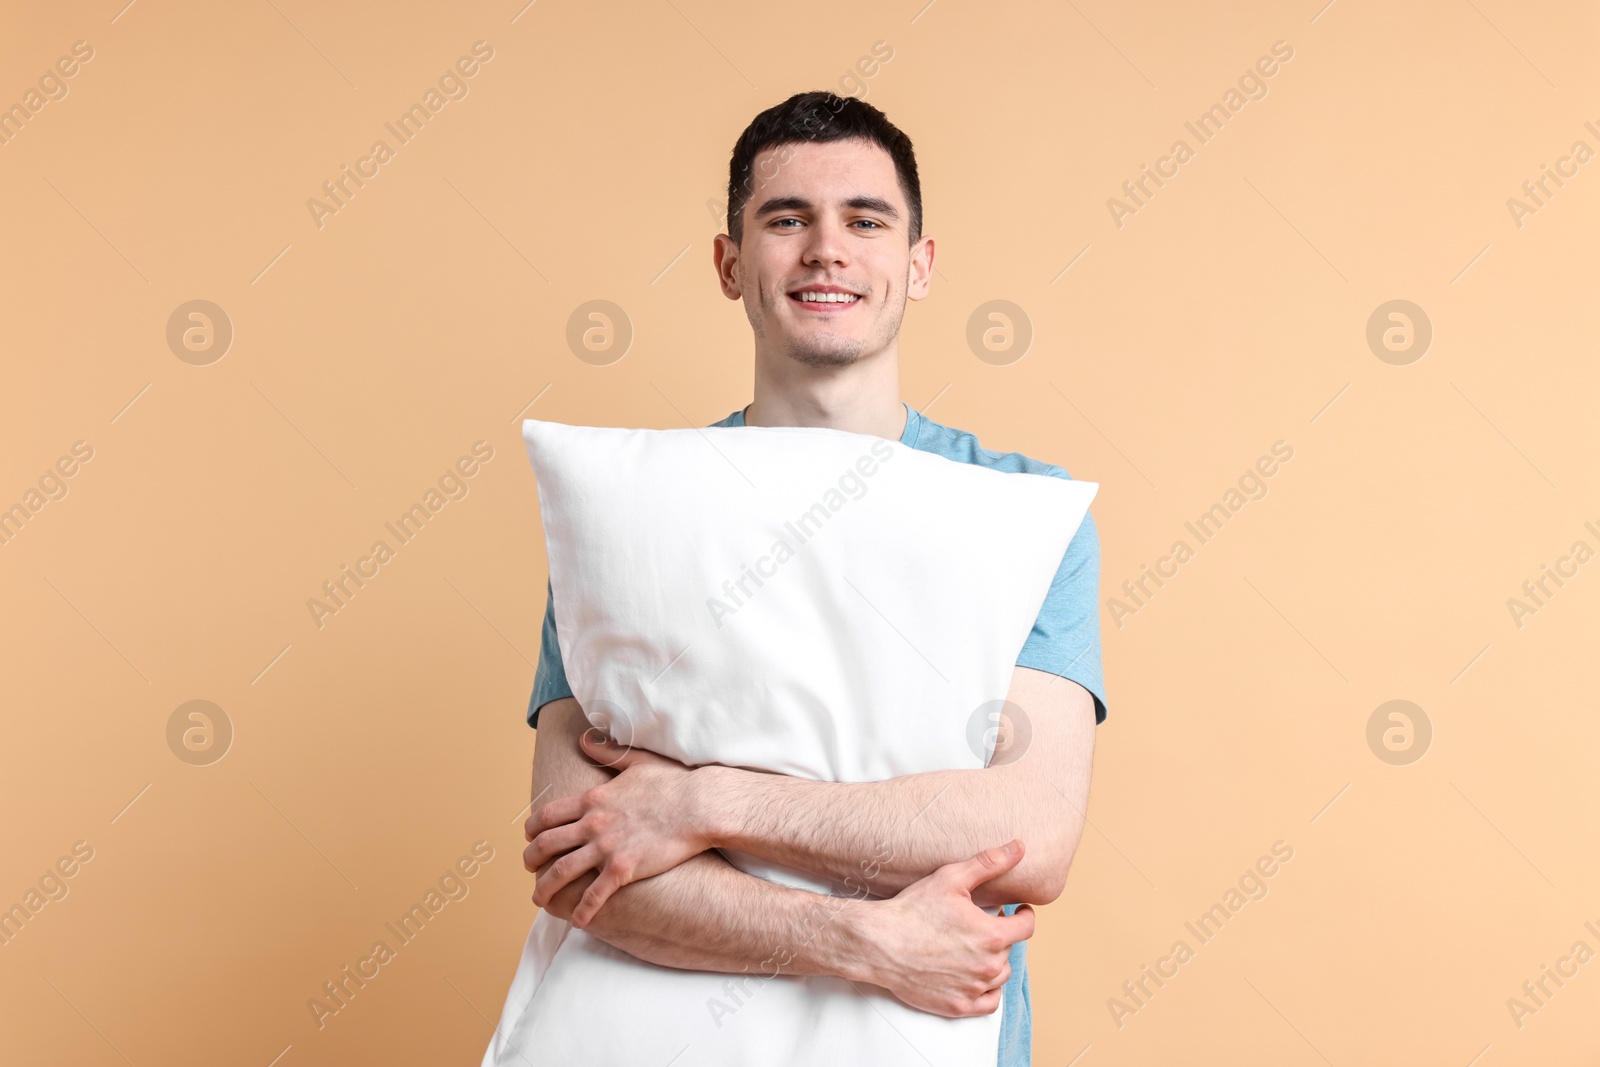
(859,399)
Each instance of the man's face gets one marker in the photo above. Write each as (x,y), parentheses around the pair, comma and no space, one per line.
(832,217)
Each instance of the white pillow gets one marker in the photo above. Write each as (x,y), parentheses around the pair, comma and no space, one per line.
(823,604)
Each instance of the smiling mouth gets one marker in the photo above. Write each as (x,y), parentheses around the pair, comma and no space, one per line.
(825,302)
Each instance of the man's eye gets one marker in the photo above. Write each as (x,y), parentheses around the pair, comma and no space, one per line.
(871,223)
(780,222)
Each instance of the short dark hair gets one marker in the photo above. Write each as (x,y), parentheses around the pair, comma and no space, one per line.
(819,117)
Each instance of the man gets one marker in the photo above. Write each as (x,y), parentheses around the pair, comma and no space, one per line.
(824,247)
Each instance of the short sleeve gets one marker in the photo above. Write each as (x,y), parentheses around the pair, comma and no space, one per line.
(1065,640)
(550,678)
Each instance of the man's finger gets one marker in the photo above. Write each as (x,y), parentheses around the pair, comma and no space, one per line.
(604,751)
(553,842)
(565,810)
(563,871)
(989,1003)
(990,863)
(596,896)
(1019,926)
(1005,976)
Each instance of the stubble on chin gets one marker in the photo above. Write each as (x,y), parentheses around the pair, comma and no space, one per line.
(825,357)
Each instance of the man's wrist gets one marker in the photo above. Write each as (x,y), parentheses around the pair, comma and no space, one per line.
(843,944)
(716,813)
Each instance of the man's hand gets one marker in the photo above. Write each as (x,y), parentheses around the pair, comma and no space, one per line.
(639,824)
(936,950)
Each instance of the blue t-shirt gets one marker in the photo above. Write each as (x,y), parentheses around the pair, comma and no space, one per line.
(1065,641)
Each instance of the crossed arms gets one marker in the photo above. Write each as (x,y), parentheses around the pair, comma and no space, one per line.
(625,847)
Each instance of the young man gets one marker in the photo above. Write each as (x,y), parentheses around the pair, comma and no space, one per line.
(824,199)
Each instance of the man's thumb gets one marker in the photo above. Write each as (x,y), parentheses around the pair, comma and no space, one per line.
(606,752)
(990,863)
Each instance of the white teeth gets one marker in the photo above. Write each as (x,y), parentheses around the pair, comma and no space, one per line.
(828,298)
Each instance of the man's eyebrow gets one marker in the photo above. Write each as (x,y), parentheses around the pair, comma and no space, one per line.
(779,204)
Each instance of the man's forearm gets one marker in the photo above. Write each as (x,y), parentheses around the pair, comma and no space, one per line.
(707,915)
(887,834)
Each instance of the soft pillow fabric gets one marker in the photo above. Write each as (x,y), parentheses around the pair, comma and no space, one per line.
(808,601)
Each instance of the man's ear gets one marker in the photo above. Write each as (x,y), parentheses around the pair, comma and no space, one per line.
(725,260)
(919,272)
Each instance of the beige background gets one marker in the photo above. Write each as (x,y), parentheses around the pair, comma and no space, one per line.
(368,354)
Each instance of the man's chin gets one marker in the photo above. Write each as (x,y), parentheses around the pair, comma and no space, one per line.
(824,359)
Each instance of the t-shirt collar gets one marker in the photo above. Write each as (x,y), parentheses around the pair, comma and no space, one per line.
(908,436)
